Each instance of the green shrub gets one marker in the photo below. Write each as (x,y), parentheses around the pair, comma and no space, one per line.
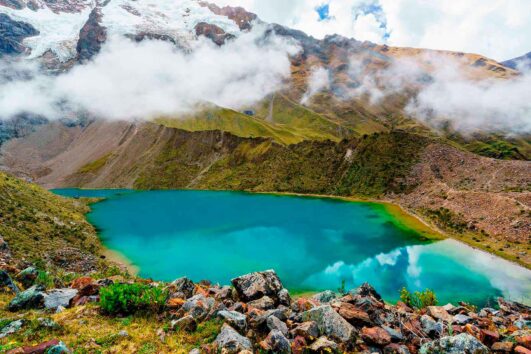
(418,299)
(130,298)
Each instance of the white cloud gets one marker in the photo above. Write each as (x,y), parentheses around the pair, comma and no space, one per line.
(497,29)
(129,80)
(319,80)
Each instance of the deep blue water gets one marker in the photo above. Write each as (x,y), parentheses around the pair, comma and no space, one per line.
(312,243)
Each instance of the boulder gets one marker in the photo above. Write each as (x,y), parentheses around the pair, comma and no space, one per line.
(27,276)
(273,323)
(59,348)
(276,342)
(503,347)
(323,345)
(489,337)
(264,303)
(40,348)
(330,323)
(352,314)
(298,345)
(325,297)
(231,342)
(10,328)
(198,306)
(31,298)
(376,336)
(235,319)
(523,339)
(521,350)
(183,287)
(86,286)
(6,281)
(394,348)
(396,335)
(307,330)
(225,293)
(284,298)
(253,286)
(462,343)
(462,319)
(187,323)
(365,289)
(59,297)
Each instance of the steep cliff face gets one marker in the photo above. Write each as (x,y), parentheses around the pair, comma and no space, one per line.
(12,34)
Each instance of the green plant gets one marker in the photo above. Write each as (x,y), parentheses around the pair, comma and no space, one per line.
(342,289)
(418,299)
(131,298)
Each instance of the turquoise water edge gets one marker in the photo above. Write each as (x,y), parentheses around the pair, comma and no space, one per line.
(313,244)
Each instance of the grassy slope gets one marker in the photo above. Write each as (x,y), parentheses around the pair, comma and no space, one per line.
(36,223)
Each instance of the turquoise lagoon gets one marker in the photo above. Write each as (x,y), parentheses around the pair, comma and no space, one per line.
(312,243)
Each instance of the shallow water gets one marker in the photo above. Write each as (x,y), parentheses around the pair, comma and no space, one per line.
(312,243)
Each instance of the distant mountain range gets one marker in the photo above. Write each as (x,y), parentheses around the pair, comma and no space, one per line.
(521,62)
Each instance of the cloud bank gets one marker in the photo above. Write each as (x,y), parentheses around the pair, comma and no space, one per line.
(319,80)
(129,80)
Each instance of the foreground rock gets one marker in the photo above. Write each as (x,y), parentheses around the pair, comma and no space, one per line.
(230,341)
(461,344)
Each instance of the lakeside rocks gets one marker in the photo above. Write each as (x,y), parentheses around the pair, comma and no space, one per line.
(258,315)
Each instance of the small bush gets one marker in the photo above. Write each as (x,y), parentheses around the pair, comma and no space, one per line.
(418,299)
(130,298)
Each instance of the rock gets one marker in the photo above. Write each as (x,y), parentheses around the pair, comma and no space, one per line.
(307,330)
(330,323)
(48,323)
(276,342)
(264,303)
(198,306)
(235,319)
(27,277)
(31,298)
(284,298)
(460,344)
(521,350)
(512,306)
(256,285)
(375,335)
(298,345)
(352,314)
(303,304)
(396,335)
(273,323)
(325,297)
(194,351)
(439,313)
(524,340)
(6,281)
(365,290)
(86,286)
(60,348)
(40,348)
(489,337)
(503,347)
(183,287)
(187,323)
(231,342)
(60,309)
(225,293)
(430,327)
(462,319)
(10,328)
(59,297)
(175,303)
(394,348)
(323,345)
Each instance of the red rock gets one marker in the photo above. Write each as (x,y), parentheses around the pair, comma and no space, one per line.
(504,347)
(403,307)
(375,335)
(298,346)
(80,283)
(524,341)
(473,330)
(352,314)
(38,349)
(175,303)
(439,313)
(522,350)
(489,337)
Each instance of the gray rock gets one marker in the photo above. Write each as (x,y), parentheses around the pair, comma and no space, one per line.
(430,326)
(396,335)
(198,306)
(463,343)
(31,298)
(184,286)
(308,330)
(27,276)
(10,328)
(256,285)
(187,323)
(235,319)
(264,303)
(194,351)
(6,281)
(59,297)
(284,298)
(323,345)
(60,348)
(123,334)
(462,319)
(365,289)
(230,341)
(325,297)
(277,342)
(330,323)
(48,323)
(273,323)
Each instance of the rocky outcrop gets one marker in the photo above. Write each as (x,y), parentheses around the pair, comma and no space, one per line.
(12,33)
(239,15)
(91,37)
(212,32)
